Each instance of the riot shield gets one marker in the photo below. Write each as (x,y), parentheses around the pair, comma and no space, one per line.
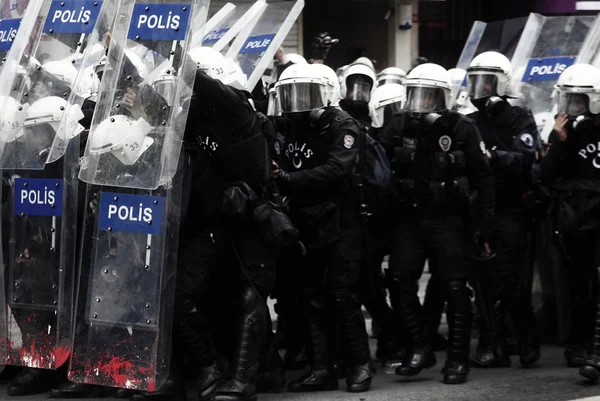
(550,45)
(131,164)
(254,48)
(227,28)
(42,93)
(10,20)
(157,90)
(501,36)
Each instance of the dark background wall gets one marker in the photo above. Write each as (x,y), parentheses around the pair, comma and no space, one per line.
(362,30)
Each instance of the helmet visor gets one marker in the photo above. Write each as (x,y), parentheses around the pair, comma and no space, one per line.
(424,99)
(482,85)
(573,104)
(390,79)
(359,88)
(301,96)
(166,89)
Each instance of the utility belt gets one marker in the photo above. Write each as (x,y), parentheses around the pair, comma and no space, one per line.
(434,193)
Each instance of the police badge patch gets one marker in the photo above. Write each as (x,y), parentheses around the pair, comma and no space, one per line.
(445,143)
(348,141)
(527,139)
(277,148)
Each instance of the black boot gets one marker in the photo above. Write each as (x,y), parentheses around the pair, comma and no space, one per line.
(296,359)
(68,389)
(406,303)
(270,377)
(591,369)
(354,336)
(250,341)
(207,382)
(518,302)
(459,333)
(321,376)
(491,351)
(197,345)
(32,381)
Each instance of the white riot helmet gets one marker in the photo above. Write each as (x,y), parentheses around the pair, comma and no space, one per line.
(386,101)
(364,61)
(306,87)
(48,120)
(358,83)
(428,89)
(235,77)
(124,137)
(210,61)
(391,75)
(294,59)
(578,90)
(11,119)
(489,74)
(340,72)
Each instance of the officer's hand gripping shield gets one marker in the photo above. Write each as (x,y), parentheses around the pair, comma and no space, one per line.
(254,48)
(133,169)
(224,26)
(500,36)
(42,89)
(548,46)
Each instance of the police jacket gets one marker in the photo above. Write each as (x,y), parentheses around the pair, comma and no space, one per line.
(572,171)
(223,140)
(511,137)
(320,160)
(439,165)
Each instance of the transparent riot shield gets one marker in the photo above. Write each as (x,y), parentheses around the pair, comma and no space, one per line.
(128,260)
(148,91)
(11,14)
(548,46)
(254,48)
(590,49)
(219,36)
(42,93)
(501,36)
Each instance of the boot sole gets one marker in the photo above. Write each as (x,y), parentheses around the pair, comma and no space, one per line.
(590,373)
(455,381)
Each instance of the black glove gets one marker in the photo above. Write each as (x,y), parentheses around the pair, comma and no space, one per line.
(282,175)
(321,45)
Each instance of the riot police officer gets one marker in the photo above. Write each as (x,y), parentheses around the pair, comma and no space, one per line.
(357,84)
(572,171)
(511,138)
(439,163)
(320,153)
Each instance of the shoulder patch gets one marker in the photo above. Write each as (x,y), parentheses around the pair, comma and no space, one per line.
(348,141)
(527,139)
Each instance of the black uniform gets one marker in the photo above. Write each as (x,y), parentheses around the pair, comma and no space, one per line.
(572,170)
(438,166)
(223,255)
(320,159)
(510,134)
